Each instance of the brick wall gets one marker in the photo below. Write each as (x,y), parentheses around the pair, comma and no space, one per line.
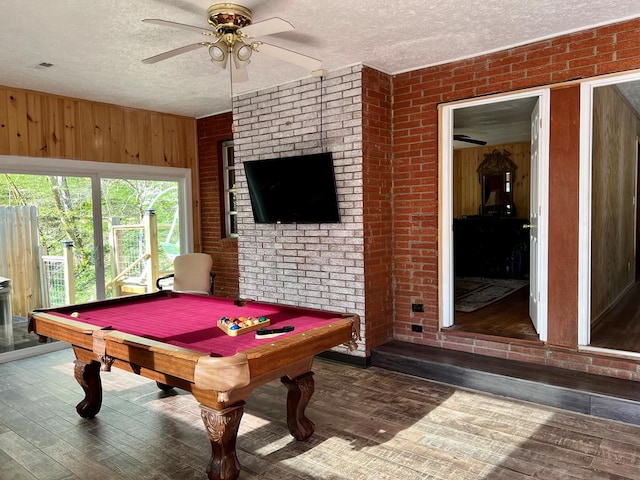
(212,131)
(377,174)
(316,265)
(369,119)
(598,51)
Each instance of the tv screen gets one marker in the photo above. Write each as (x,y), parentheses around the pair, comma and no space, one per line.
(299,189)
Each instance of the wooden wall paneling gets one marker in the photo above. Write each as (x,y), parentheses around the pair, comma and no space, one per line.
(157,139)
(144,147)
(72,134)
(86,120)
(466,187)
(100,131)
(170,128)
(132,136)
(17,117)
(470,176)
(615,131)
(188,138)
(116,135)
(36,124)
(4,123)
(457,185)
(54,114)
(467,190)
(36,127)
(521,155)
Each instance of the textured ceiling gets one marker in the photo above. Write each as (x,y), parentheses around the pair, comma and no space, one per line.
(96,47)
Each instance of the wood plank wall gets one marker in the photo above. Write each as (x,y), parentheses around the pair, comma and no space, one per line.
(615,135)
(20,257)
(466,184)
(34,124)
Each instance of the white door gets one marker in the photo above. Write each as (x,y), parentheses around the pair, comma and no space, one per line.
(534,211)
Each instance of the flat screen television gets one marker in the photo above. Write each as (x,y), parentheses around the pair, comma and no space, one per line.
(300,189)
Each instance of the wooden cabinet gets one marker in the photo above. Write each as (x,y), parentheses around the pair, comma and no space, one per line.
(494,247)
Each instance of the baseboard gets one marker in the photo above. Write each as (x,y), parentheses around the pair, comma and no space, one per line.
(362,362)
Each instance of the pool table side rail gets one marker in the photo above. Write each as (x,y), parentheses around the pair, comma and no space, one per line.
(143,354)
(279,352)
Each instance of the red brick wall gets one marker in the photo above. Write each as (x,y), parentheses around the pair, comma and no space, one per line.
(377,213)
(593,52)
(212,131)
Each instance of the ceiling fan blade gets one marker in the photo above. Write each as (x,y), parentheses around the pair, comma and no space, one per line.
(466,138)
(290,56)
(173,53)
(267,27)
(238,75)
(167,23)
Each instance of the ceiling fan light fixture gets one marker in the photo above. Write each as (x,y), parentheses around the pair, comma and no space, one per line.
(241,54)
(219,54)
(244,52)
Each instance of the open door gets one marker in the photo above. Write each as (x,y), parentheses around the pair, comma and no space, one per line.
(534,211)
(538,215)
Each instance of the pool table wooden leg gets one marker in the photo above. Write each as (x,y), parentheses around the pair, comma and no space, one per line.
(300,391)
(222,428)
(88,376)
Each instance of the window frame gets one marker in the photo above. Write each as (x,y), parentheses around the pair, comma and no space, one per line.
(228,190)
(99,170)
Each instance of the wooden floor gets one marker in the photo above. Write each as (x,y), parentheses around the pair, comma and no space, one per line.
(618,329)
(370,424)
(508,317)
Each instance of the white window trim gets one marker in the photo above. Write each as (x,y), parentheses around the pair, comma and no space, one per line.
(584,222)
(226,189)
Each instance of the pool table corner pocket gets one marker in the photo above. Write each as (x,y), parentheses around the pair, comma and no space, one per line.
(222,374)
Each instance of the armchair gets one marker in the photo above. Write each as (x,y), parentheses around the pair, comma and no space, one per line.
(191,274)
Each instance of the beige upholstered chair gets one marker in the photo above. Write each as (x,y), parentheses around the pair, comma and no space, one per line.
(191,274)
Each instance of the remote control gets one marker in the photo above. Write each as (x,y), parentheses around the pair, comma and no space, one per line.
(269,331)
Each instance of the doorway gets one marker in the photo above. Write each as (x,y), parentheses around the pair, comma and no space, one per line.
(608,258)
(493,196)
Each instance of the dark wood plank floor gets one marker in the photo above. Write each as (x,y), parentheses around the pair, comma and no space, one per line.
(371,424)
(618,329)
(508,317)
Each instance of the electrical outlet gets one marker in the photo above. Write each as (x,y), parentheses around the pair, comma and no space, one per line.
(416,328)
(417,307)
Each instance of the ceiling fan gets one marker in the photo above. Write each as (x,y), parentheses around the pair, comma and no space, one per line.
(232,36)
(468,139)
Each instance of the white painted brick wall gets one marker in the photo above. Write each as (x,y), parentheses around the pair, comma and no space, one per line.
(312,265)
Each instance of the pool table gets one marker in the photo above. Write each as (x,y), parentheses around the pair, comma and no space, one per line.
(173,338)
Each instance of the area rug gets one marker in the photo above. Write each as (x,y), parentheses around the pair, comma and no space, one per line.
(473,293)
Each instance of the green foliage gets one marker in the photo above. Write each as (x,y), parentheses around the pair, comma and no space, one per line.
(65,212)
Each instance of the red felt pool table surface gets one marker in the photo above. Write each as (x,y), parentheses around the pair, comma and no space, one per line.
(190,321)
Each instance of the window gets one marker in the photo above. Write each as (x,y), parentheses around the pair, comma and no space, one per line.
(229,186)
(75,231)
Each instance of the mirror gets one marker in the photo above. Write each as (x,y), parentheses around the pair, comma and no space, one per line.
(496,175)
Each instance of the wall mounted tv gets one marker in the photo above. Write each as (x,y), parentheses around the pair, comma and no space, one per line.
(300,189)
